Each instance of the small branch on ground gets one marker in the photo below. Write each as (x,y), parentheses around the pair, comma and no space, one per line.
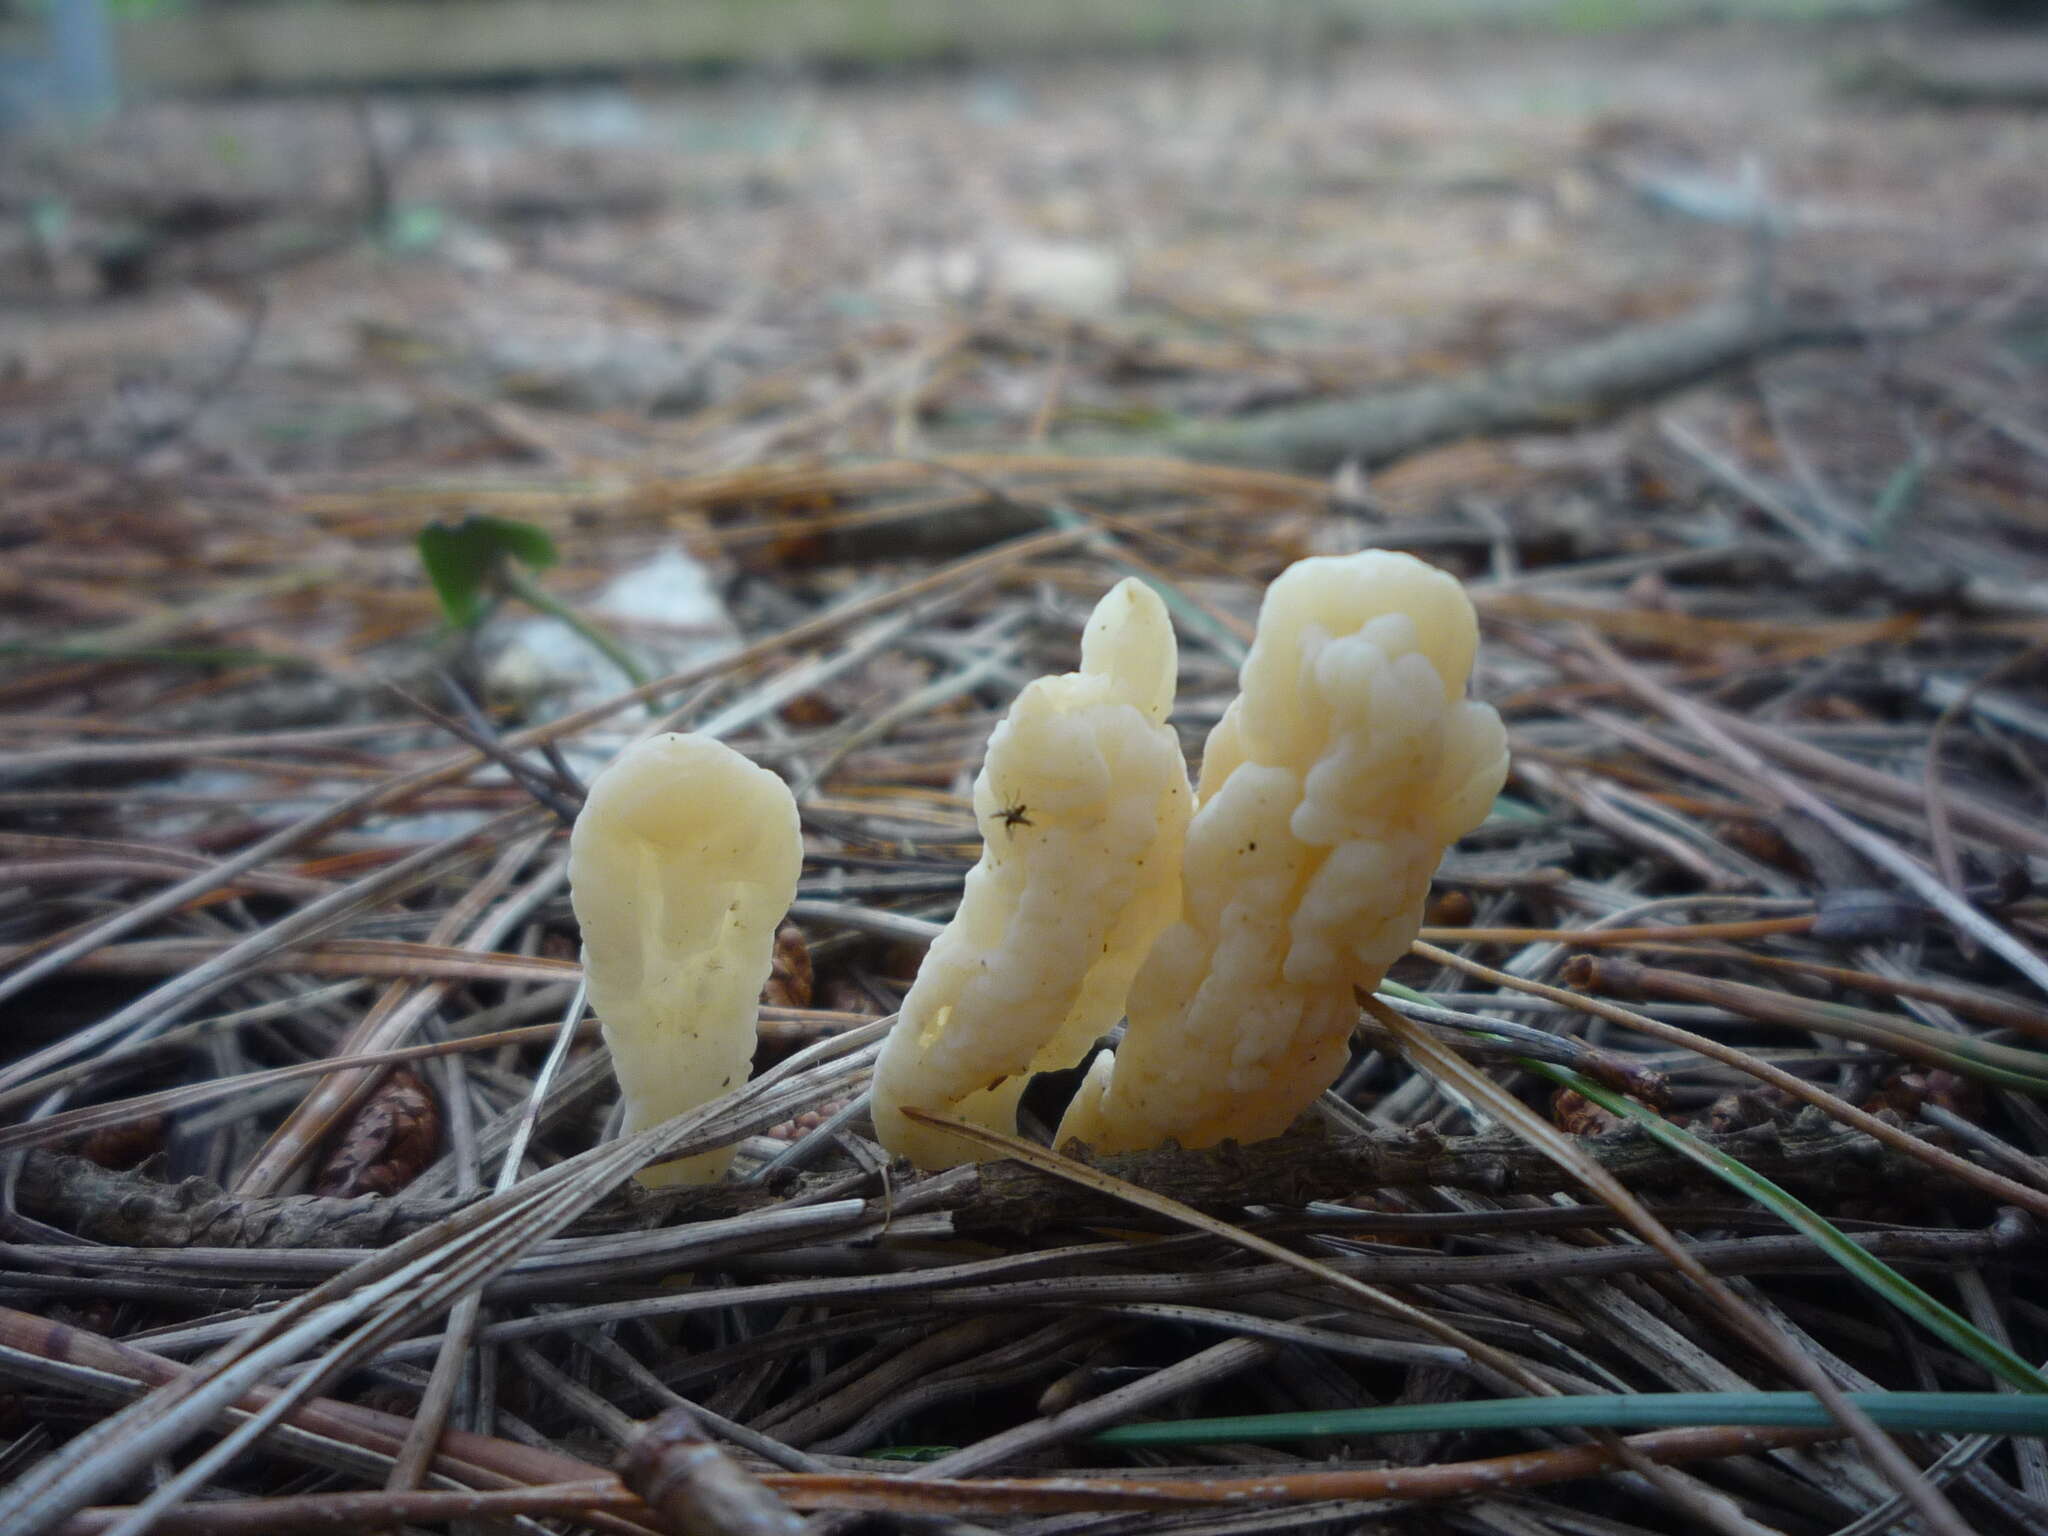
(1809,1153)
(1547,391)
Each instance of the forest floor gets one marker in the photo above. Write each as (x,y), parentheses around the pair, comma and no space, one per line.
(1715,359)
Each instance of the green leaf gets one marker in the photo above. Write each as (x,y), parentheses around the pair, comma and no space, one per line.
(464,561)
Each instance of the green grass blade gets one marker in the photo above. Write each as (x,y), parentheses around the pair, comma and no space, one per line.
(1190,614)
(1956,1413)
(1957,1331)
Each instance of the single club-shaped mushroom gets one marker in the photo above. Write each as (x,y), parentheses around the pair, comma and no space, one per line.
(682,863)
(1083,804)
(1329,791)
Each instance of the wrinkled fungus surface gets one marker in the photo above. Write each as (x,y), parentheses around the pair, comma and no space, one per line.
(1329,791)
(1083,804)
(682,863)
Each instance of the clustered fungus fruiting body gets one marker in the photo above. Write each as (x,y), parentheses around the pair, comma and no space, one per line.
(1233,927)
(1329,791)
(1083,805)
(682,863)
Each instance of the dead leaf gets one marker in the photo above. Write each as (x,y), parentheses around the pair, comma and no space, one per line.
(121,1147)
(1576,1115)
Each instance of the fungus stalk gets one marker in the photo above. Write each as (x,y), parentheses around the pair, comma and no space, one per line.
(1083,805)
(682,863)
(1328,793)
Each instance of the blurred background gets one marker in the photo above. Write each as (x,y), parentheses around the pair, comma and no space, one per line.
(306,235)
(281,281)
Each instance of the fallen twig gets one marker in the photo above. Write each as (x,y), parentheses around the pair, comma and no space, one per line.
(1539,392)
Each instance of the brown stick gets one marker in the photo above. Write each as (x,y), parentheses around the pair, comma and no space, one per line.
(1306,1165)
(330,1512)
(1818,1158)
(1536,392)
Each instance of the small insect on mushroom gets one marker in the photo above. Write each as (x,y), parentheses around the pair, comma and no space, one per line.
(1035,964)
